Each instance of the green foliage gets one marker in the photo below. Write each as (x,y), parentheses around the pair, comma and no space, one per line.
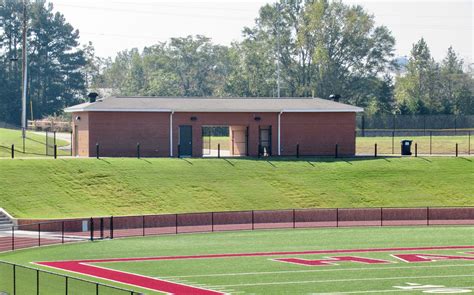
(55,63)
(429,87)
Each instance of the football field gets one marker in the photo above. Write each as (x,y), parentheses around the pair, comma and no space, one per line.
(413,260)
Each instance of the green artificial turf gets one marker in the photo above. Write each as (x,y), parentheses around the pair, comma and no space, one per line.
(40,188)
(261,274)
(35,144)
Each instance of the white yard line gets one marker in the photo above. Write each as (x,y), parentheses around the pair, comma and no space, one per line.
(380,291)
(343,280)
(316,270)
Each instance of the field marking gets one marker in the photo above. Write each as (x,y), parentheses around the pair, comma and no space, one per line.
(316,270)
(378,291)
(257,254)
(343,280)
(85,267)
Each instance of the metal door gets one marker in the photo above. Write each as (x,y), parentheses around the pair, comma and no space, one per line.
(185,141)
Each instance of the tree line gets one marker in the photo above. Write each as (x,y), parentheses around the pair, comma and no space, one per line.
(296,48)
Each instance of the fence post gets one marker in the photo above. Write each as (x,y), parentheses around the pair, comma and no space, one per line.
(97,150)
(55,151)
(92,228)
(431,138)
(62,232)
(111,227)
(393,142)
(14,279)
(427,215)
(37,282)
(456,149)
(297,150)
(218,150)
(259,149)
(101,228)
(39,234)
(381,216)
(24,149)
(469,143)
(294,218)
(337,217)
(143,225)
(212,221)
(67,285)
(337,151)
(13,151)
(375,150)
(72,144)
(96,288)
(179,151)
(13,238)
(253,219)
(138,150)
(176,223)
(416,149)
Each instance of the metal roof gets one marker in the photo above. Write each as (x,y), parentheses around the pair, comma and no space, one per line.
(206,104)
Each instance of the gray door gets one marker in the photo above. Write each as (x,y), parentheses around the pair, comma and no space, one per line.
(185,141)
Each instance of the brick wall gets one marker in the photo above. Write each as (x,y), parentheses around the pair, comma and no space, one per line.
(118,133)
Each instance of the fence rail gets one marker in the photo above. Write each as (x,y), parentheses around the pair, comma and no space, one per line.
(19,279)
(67,231)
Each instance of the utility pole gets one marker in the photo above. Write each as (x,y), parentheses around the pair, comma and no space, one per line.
(278,49)
(24,71)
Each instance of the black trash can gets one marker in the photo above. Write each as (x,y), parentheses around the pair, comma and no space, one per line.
(406,147)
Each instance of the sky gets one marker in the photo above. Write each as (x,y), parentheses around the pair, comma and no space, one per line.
(115,25)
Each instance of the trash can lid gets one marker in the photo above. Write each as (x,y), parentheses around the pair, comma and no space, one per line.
(406,140)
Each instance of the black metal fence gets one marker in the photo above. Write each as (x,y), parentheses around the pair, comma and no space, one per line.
(413,122)
(22,280)
(35,143)
(75,230)
(429,142)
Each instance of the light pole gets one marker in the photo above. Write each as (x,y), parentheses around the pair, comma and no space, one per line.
(24,64)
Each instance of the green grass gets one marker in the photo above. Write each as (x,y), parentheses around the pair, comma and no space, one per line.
(439,144)
(39,188)
(261,275)
(212,142)
(35,144)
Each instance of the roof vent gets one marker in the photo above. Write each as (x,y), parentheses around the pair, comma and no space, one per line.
(335,97)
(92,97)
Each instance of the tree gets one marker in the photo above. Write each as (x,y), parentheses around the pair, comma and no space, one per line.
(55,61)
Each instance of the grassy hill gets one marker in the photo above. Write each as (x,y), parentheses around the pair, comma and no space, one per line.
(90,187)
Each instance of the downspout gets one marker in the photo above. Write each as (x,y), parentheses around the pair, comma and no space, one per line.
(279,133)
(171,133)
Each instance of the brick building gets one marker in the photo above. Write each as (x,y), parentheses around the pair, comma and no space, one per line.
(170,127)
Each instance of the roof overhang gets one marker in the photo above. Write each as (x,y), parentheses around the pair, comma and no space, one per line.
(78,110)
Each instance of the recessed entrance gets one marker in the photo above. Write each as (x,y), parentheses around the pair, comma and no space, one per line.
(224,141)
(265,141)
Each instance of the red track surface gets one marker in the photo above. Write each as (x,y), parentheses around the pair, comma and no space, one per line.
(84,267)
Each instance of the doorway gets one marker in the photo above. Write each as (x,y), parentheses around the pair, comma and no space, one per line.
(185,148)
(265,141)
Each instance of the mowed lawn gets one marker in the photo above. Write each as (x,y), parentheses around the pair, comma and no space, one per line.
(41,188)
(35,144)
(262,274)
(426,145)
